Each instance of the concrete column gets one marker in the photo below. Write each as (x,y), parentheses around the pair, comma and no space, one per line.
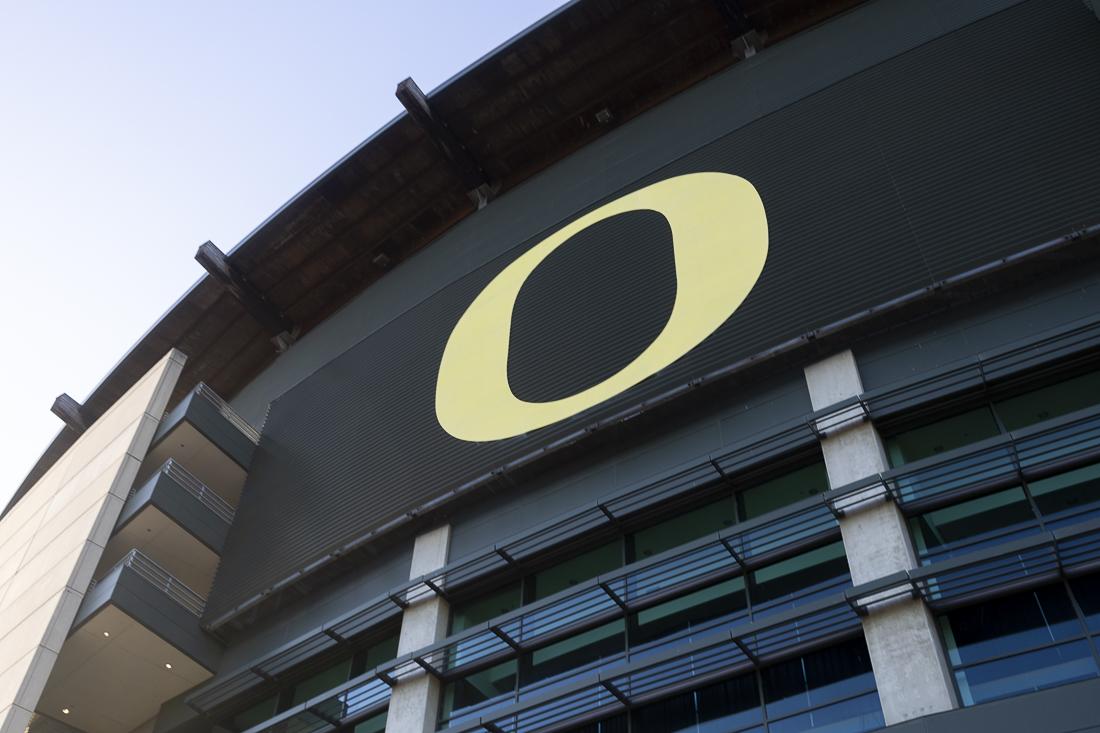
(910,667)
(414,704)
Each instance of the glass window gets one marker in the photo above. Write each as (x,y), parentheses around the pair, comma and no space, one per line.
(1086,590)
(373,724)
(479,687)
(683,528)
(256,714)
(797,579)
(321,682)
(939,437)
(610,725)
(1019,643)
(576,570)
(1026,672)
(375,654)
(1073,496)
(481,609)
(723,601)
(574,652)
(1049,402)
(818,678)
(971,524)
(731,705)
(785,490)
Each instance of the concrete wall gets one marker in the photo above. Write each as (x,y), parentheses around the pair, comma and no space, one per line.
(51,541)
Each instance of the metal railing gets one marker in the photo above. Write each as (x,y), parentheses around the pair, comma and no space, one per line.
(203,493)
(161,579)
(228,412)
(206,496)
(1053,446)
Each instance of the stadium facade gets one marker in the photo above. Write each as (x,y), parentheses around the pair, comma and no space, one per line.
(678,366)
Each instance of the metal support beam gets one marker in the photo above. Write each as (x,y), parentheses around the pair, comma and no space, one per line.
(471,173)
(214,261)
(71,413)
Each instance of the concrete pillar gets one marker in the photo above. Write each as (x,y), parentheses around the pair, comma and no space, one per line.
(414,703)
(907,656)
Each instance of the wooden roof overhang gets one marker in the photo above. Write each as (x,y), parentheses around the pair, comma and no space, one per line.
(548,91)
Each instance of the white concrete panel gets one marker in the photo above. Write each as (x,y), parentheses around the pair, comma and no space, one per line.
(911,673)
(414,703)
(46,541)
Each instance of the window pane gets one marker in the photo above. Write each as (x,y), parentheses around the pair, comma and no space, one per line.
(1053,401)
(684,528)
(787,489)
(1086,590)
(472,613)
(818,678)
(321,682)
(576,651)
(792,581)
(479,687)
(1009,624)
(577,570)
(373,724)
(971,524)
(610,725)
(1074,495)
(1026,672)
(731,705)
(375,654)
(862,713)
(942,436)
(722,600)
(256,714)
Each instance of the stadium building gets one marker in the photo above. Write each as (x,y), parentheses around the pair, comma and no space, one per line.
(702,366)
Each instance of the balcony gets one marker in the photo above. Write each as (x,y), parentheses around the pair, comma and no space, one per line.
(135,644)
(203,433)
(178,521)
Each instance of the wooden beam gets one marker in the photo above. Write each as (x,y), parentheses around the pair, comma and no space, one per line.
(746,40)
(435,127)
(232,280)
(71,412)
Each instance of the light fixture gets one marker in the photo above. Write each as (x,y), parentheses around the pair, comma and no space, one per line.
(64,711)
(168,665)
(106,633)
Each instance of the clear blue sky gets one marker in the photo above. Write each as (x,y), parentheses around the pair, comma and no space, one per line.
(131,132)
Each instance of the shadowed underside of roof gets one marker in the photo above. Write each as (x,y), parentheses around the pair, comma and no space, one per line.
(556,87)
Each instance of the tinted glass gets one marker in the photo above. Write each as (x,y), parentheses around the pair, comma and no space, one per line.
(724,600)
(1074,495)
(1010,624)
(576,570)
(1026,672)
(1086,590)
(858,714)
(818,678)
(785,490)
(479,610)
(731,705)
(683,528)
(321,682)
(479,687)
(939,437)
(576,651)
(1048,402)
(256,714)
(971,524)
(797,579)
(373,724)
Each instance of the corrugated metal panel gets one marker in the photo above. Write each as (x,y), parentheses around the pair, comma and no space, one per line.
(948,156)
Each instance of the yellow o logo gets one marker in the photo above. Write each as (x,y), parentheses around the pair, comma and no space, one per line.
(720,243)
